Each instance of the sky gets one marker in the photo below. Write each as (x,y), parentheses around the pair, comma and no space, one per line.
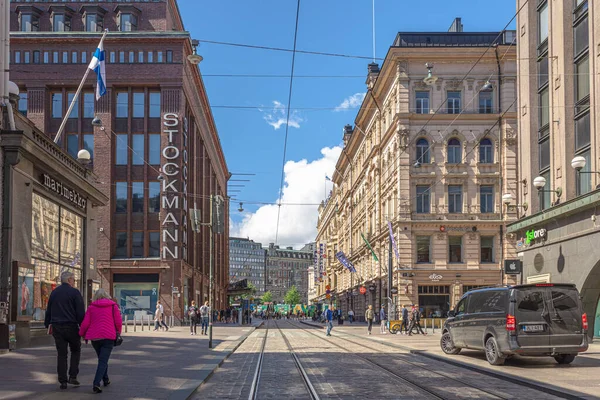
(250,111)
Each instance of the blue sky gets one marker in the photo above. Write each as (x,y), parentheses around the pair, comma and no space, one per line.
(253,145)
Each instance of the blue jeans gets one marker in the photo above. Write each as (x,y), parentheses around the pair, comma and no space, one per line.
(103,349)
(204,324)
(329,327)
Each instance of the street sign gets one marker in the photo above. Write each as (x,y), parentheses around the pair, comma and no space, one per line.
(363,290)
(328,296)
(513,267)
(394,290)
(328,287)
(175,289)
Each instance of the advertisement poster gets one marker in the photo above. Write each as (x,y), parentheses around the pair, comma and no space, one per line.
(25,293)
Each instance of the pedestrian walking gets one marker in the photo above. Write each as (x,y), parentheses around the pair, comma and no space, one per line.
(102,325)
(329,319)
(404,326)
(193,315)
(204,315)
(370,315)
(64,314)
(159,316)
(383,321)
(415,321)
(351,316)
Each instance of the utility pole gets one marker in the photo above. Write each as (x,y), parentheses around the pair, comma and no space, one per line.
(210,279)
(390,282)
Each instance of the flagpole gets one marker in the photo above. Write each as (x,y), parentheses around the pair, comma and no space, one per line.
(66,117)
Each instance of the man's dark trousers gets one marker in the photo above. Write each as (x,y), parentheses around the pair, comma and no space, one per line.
(66,336)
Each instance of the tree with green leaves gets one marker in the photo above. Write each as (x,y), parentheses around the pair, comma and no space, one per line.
(267,297)
(252,291)
(292,296)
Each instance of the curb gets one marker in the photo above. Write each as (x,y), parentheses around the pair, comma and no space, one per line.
(189,387)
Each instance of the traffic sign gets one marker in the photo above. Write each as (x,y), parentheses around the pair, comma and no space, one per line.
(328,287)
(328,296)
(362,290)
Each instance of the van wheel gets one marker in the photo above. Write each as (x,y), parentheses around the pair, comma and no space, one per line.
(565,358)
(447,344)
(492,353)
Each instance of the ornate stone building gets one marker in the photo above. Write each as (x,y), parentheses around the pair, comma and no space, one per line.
(433,156)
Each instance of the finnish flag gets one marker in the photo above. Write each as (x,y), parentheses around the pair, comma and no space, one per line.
(98,65)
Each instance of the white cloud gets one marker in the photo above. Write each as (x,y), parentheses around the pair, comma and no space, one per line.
(353,101)
(277,116)
(304,183)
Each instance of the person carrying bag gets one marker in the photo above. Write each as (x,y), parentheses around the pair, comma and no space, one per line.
(102,325)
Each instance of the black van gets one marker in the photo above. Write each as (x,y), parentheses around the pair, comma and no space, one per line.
(533,320)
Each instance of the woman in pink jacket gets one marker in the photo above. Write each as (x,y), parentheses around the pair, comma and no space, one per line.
(101,323)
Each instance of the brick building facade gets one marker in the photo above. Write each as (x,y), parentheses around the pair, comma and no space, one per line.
(156,154)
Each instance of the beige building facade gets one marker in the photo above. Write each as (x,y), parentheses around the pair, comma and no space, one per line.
(558,89)
(433,159)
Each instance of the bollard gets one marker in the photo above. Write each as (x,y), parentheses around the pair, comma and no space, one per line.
(125,321)
(134,324)
(149,324)
(432,325)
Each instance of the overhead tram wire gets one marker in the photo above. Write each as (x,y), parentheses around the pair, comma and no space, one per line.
(287,122)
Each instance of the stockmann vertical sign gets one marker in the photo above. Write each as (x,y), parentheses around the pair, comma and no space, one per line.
(532,235)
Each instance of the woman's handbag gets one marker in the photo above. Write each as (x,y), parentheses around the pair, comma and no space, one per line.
(119,339)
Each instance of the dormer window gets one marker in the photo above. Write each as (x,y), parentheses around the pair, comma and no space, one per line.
(61,18)
(29,18)
(93,18)
(127,16)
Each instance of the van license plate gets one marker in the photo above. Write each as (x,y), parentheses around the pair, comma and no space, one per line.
(533,328)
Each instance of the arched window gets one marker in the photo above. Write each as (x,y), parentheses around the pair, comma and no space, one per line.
(454,151)
(486,154)
(423,151)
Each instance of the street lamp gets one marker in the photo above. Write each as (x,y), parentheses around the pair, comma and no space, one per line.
(84,157)
(578,163)
(195,58)
(507,198)
(539,184)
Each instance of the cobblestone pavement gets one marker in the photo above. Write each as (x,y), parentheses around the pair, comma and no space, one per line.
(149,365)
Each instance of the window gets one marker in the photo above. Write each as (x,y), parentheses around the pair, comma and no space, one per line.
(131,57)
(485,102)
(26,57)
(154,149)
(422,102)
(122,57)
(544,153)
(137,149)
(137,244)
(46,57)
(137,197)
(154,197)
(121,197)
(423,151)
(486,198)
(584,180)
(55,57)
(544,196)
(455,249)
(543,23)
(36,57)
(581,35)
(127,22)
(423,202)
(83,57)
(423,249)
(159,56)
(169,56)
(73,144)
(65,57)
(23,103)
(486,154)
(154,104)
(140,56)
(487,249)
(121,245)
(544,108)
(112,58)
(94,23)
(153,244)
(29,23)
(454,151)
(461,307)
(121,149)
(454,102)
(150,57)
(543,70)
(74,57)
(88,105)
(582,79)
(61,23)
(88,144)
(75,110)
(138,105)
(57,105)
(454,199)
(122,105)
(582,131)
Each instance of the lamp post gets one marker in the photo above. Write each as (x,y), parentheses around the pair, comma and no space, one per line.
(578,163)
(539,184)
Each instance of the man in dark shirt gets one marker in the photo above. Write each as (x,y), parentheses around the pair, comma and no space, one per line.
(64,314)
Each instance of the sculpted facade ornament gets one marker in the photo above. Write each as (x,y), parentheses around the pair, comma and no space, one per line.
(470,83)
(454,84)
(511,137)
(420,85)
(403,135)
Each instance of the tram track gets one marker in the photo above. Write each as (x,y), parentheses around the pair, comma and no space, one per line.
(430,390)
(256,381)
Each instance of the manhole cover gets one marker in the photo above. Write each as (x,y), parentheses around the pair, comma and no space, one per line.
(538,262)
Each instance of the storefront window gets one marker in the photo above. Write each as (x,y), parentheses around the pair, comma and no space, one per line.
(434,301)
(135,295)
(455,249)
(56,245)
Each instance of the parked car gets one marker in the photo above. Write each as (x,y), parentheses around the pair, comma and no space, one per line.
(531,320)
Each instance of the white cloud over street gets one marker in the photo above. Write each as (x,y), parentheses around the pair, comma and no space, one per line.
(277,116)
(304,184)
(350,102)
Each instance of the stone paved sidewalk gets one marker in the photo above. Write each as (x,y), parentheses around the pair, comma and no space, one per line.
(149,365)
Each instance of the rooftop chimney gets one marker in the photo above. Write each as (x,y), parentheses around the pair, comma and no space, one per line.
(456,26)
(347,133)
(373,69)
